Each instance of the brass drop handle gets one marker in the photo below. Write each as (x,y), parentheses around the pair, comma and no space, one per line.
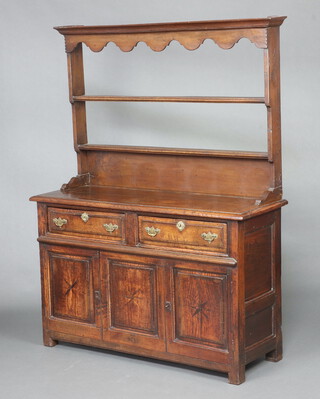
(59,222)
(110,227)
(152,232)
(209,236)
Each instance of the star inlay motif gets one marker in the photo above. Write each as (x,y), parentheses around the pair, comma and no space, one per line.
(200,309)
(133,296)
(70,286)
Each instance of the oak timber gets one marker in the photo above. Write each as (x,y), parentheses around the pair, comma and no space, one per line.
(168,253)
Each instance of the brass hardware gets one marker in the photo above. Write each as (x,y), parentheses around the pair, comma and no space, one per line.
(168,306)
(209,236)
(59,222)
(85,217)
(181,225)
(110,227)
(152,231)
(97,296)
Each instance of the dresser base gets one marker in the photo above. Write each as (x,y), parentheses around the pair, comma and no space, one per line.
(236,374)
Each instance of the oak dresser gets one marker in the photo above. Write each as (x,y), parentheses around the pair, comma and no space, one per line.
(167,253)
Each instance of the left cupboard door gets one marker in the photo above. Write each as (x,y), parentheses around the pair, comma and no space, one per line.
(71,291)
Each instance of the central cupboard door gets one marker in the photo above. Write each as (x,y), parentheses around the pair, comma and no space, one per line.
(132,293)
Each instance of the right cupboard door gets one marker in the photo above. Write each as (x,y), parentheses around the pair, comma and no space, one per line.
(197,313)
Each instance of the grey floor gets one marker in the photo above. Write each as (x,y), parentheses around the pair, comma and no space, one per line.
(30,370)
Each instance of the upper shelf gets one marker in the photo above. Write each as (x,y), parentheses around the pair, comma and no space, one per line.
(225,33)
(171,99)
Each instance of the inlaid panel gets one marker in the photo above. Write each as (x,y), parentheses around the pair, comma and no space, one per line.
(200,307)
(71,291)
(71,285)
(132,295)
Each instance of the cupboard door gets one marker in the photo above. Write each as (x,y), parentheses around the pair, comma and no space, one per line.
(132,294)
(71,290)
(198,313)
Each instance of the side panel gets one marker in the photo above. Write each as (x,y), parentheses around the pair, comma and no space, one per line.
(258,260)
(263,282)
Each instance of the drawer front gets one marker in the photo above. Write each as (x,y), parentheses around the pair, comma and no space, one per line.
(98,225)
(181,233)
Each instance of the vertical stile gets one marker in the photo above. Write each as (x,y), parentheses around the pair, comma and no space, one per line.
(272,95)
(77,88)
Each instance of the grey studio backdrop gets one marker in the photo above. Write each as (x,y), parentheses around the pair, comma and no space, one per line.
(37,156)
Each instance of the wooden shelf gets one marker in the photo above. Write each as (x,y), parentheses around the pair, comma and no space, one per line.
(175,151)
(174,99)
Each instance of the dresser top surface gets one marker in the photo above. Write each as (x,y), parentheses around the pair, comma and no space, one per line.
(155,201)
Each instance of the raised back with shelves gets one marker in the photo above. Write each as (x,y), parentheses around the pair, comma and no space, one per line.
(184,228)
(232,173)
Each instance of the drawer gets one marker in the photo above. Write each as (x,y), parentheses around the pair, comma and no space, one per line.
(181,233)
(98,225)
